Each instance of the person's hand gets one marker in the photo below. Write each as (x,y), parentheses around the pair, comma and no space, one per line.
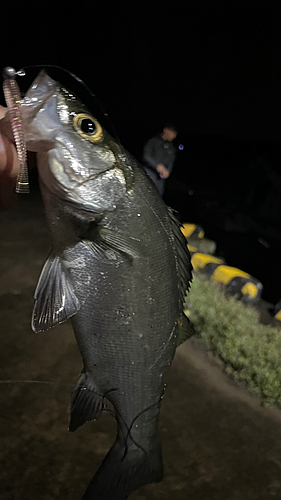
(9,168)
(162,171)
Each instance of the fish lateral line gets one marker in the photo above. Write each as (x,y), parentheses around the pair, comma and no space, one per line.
(34,382)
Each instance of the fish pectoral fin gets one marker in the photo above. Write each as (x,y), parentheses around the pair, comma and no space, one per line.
(55,299)
(114,247)
(186,329)
(101,251)
(86,402)
(121,243)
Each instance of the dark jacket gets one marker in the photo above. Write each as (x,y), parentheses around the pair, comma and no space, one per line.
(156,151)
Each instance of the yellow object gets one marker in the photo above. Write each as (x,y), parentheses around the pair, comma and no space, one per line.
(224,274)
(250,289)
(191,248)
(200,260)
(278,315)
(189,229)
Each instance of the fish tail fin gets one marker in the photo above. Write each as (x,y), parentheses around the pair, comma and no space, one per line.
(123,472)
(86,402)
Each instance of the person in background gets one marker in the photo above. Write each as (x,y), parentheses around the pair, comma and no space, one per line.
(159,155)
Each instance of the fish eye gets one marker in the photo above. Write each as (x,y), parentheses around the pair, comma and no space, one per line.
(88,127)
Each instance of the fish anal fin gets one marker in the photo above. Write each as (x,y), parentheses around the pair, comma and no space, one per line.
(55,299)
(86,403)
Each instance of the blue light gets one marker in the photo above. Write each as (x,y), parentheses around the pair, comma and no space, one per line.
(181,147)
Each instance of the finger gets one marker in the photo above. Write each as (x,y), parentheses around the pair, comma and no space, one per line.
(9,162)
(3,112)
(5,124)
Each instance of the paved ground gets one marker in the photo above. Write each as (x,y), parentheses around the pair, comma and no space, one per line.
(219,443)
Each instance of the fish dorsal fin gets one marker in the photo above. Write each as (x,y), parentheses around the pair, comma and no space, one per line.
(55,299)
(182,255)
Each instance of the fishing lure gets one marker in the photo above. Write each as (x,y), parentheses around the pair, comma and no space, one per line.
(13,97)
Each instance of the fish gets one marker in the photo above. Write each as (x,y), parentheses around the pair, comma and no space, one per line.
(119,268)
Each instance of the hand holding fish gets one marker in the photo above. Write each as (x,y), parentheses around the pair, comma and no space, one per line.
(9,167)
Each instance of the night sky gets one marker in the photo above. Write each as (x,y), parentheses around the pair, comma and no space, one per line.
(211,66)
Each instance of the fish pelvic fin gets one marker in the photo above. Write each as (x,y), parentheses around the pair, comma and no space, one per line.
(186,329)
(55,299)
(86,402)
(119,475)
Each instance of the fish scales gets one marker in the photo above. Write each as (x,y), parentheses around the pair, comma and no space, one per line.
(119,268)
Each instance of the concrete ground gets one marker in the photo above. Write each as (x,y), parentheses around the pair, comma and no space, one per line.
(219,442)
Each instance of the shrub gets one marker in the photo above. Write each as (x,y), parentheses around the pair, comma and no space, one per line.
(251,351)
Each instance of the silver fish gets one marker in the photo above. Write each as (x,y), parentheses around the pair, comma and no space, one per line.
(119,268)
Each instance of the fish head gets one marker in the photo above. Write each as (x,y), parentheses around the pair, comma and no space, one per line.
(78,160)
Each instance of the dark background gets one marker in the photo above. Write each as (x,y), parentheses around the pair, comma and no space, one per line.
(212,67)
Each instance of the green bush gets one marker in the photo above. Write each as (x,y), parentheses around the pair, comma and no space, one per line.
(251,351)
